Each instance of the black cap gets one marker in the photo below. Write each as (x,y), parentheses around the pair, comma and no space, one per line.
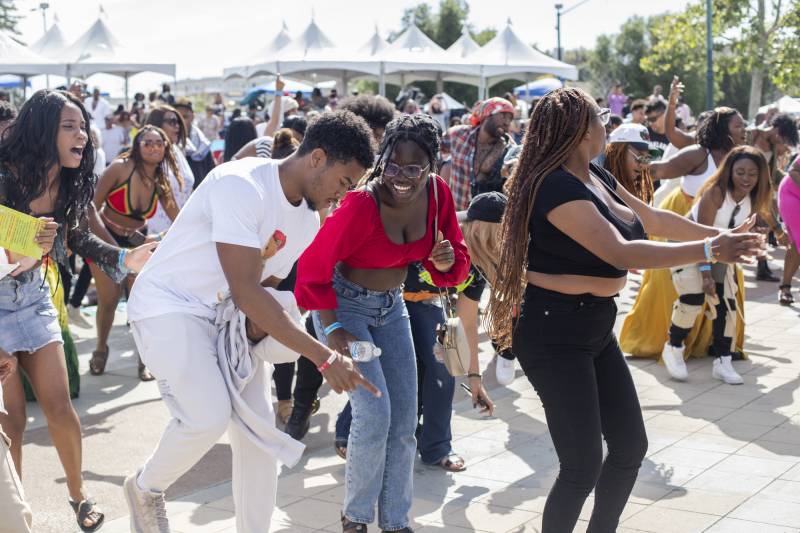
(486,207)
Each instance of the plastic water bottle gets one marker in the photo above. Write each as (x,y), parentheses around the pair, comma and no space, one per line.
(363,351)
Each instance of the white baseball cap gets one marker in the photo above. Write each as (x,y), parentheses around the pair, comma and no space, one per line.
(635,134)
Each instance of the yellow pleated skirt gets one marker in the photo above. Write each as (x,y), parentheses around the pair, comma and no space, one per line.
(646,327)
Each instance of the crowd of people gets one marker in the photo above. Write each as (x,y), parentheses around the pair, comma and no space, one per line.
(352,241)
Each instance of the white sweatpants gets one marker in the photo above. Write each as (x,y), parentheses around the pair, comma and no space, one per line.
(15,513)
(181,352)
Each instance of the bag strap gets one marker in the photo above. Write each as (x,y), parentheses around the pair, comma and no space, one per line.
(443,296)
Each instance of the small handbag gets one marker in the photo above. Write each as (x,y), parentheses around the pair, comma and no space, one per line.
(452,345)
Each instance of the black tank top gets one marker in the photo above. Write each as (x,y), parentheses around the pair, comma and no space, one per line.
(550,250)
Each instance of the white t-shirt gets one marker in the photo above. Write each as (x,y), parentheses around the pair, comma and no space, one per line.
(113,140)
(99,110)
(240,202)
(161,221)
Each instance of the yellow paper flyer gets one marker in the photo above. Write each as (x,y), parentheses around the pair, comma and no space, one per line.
(18,232)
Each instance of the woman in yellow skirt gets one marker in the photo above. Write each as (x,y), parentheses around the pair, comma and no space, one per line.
(644,331)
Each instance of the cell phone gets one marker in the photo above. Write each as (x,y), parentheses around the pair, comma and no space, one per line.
(469,393)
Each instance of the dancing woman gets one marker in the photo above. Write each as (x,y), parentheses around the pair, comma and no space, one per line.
(127,196)
(46,160)
(353,274)
(740,188)
(585,231)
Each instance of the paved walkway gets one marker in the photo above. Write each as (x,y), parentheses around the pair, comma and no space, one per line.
(721,458)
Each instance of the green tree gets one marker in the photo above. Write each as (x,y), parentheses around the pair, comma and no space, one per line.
(754,39)
(8,16)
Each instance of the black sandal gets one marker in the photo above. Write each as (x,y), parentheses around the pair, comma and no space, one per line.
(785,295)
(352,527)
(452,466)
(97,364)
(87,510)
(341,448)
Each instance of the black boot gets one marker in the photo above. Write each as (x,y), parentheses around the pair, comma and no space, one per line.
(299,422)
(763,273)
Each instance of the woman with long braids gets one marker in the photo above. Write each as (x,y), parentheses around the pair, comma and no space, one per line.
(353,274)
(46,160)
(644,330)
(127,196)
(569,236)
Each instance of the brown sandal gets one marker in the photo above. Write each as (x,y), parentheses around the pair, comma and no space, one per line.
(97,364)
(453,466)
(144,374)
(785,295)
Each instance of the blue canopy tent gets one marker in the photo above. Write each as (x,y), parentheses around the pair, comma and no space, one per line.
(537,88)
(290,89)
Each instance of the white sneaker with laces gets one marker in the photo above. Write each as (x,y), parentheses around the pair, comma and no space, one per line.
(673,360)
(504,370)
(148,509)
(723,370)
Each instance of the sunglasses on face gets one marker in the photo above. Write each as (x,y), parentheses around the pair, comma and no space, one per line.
(172,122)
(391,170)
(640,159)
(153,144)
(604,115)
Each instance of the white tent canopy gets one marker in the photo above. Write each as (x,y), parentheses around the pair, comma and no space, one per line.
(18,60)
(52,43)
(786,104)
(465,46)
(263,60)
(98,50)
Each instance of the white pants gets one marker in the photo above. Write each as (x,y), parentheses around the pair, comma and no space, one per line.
(15,514)
(181,352)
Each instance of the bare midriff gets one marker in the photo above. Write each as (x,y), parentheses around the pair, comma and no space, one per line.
(374,279)
(574,284)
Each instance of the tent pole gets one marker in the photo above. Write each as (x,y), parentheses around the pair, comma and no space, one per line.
(126,90)
(382,80)
(439,83)
(24,88)
(482,86)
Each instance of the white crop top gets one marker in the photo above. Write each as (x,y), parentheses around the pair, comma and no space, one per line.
(691,183)
(723,217)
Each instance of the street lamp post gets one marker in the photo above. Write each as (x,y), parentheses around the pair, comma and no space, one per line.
(561,11)
(709,59)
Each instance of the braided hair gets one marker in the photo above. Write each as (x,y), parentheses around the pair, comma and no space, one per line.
(421,129)
(559,123)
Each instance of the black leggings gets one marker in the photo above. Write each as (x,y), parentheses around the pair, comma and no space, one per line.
(568,350)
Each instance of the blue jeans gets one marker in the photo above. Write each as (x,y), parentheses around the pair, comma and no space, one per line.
(436,396)
(381,447)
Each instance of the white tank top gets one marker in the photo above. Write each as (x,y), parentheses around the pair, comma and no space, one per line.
(691,183)
(723,217)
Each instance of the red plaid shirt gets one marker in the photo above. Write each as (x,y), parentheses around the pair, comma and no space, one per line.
(463,140)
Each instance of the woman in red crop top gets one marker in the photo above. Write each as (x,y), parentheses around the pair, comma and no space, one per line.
(352,274)
(579,232)
(126,196)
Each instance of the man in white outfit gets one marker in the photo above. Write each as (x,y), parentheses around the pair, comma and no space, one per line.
(241,230)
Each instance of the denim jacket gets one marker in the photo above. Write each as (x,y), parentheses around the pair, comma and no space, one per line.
(79,240)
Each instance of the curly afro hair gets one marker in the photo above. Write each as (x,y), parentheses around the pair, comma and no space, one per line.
(376,110)
(419,128)
(712,129)
(342,135)
(787,128)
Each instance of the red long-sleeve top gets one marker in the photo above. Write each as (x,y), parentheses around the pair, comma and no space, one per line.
(354,234)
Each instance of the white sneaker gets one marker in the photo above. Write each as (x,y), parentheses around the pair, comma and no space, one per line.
(673,360)
(504,370)
(148,509)
(723,369)
(76,318)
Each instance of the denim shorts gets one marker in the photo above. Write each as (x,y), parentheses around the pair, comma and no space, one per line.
(28,319)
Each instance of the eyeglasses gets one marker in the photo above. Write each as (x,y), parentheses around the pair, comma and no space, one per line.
(604,115)
(640,159)
(172,121)
(732,221)
(153,144)
(653,118)
(391,170)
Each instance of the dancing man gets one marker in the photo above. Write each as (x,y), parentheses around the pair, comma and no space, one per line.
(242,213)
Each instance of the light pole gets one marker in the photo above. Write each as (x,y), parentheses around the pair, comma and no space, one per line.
(709,58)
(561,11)
(43,7)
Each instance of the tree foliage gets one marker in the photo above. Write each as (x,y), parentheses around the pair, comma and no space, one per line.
(8,16)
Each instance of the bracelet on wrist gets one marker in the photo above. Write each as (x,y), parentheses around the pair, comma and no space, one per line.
(121,261)
(474,375)
(327,364)
(707,250)
(332,327)
(705,267)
